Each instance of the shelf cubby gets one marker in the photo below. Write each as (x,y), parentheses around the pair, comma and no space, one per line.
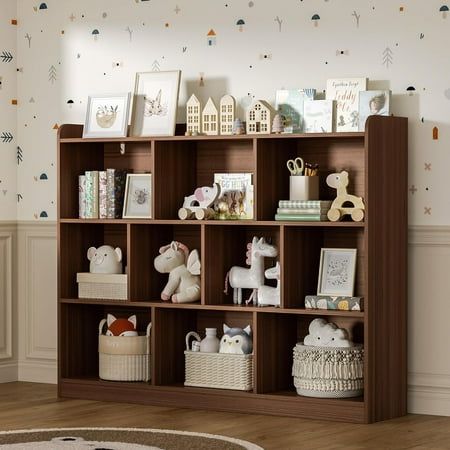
(76,239)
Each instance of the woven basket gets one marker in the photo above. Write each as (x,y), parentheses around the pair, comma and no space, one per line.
(102,286)
(218,370)
(124,358)
(331,372)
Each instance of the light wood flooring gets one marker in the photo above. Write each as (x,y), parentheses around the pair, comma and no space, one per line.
(30,405)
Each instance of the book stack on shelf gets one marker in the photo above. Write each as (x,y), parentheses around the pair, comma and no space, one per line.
(101,194)
(303,210)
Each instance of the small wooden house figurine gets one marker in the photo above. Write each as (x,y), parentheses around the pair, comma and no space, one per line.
(193,115)
(211,38)
(260,117)
(210,118)
(227,114)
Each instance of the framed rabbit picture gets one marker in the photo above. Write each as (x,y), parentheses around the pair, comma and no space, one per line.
(155,103)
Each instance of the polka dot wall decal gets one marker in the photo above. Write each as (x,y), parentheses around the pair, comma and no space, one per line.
(251,4)
(105,15)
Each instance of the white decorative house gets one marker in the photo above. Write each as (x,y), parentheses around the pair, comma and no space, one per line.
(210,118)
(193,115)
(227,114)
(260,117)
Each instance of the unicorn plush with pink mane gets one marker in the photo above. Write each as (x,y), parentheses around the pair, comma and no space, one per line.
(184,272)
(252,278)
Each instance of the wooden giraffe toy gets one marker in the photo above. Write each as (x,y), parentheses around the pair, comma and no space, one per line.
(339,181)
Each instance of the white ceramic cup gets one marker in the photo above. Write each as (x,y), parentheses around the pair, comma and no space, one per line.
(303,188)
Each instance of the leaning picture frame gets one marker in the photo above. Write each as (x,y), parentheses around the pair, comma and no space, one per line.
(155,103)
(138,196)
(107,116)
(337,272)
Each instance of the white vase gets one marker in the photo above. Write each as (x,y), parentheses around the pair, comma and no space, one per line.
(211,343)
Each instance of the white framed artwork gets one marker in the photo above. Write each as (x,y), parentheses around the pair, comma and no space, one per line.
(337,271)
(138,196)
(155,103)
(107,116)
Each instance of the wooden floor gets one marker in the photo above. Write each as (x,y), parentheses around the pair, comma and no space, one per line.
(29,405)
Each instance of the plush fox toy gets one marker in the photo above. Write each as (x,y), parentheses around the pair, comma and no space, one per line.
(121,327)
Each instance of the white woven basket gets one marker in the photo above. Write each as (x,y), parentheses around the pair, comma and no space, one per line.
(218,370)
(124,358)
(102,286)
(331,372)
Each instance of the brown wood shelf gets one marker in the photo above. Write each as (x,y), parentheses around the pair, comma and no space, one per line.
(179,164)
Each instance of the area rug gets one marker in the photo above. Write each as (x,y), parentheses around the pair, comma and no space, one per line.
(118,439)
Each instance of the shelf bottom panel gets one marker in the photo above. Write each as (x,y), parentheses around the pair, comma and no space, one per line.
(278,403)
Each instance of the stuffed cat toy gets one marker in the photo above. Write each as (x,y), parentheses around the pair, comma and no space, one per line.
(121,327)
(236,340)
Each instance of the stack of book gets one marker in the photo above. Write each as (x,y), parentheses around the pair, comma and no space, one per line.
(303,210)
(101,194)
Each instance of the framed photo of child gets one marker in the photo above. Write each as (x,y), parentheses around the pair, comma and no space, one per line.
(373,103)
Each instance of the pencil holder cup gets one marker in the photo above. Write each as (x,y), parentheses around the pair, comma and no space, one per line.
(303,187)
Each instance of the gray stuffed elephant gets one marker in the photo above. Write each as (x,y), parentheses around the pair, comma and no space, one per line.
(105,259)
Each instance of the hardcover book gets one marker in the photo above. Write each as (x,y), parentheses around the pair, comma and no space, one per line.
(290,104)
(102,196)
(302,204)
(346,93)
(319,116)
(92,194)
(373,103)
(331,302)
(82,196)
(236,191)
(115,192)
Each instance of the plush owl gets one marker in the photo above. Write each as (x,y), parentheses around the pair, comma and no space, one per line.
(236,340)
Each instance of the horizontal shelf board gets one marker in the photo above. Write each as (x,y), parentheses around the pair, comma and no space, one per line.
(214,222)
(198,306)
(293,394)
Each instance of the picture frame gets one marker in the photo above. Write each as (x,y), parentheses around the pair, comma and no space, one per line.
(155,103)
(138,196)
(107,116)
(337,271)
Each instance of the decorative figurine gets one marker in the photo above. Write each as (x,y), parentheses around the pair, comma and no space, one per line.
(199,204)
(252,278)
(268,295)
(193,116)
(210,118)
(339,181)
(184,272)
(105,259)
(278,124)
(238,127)
(121,327)
(236,340)
(260,117)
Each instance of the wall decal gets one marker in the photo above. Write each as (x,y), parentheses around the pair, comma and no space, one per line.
(72,17)
(447,93)
(155,66)
(265,56)
(56,126)
(14,102)
(43,6)
(435,133)
(52,74)
(184,49)
(43,177)
(96,34)
(279,22)
(315,18)
(28,37)
(401,9)
(130,33)
(427,210)
(421,36)
(177,9)
(19,155)
(387,57)
(32,100)
(240,24)
(6,137)
(70,103)
(356,16)
(6,56)
(211,38)
(427,166)
(43,215)
(104,15)
(1,82)
(251,4)
(444,11)
(410,90)
(4,191)
(19,198)
(342,52)
(13,21)
(201,82)
(413,189)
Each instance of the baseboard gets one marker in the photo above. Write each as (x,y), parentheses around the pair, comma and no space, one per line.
(429,400)
(38,372)
(9,372)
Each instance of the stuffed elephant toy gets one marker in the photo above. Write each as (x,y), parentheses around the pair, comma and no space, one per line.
(105,259)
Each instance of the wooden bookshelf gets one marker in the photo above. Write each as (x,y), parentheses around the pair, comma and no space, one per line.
(377,162)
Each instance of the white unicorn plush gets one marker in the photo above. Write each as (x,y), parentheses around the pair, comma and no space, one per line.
(268,295)
(184,272)
(253,278)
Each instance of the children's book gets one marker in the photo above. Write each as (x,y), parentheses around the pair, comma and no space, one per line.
(346,93)
(236,195)
(318,116)
(373,103)
(289,103)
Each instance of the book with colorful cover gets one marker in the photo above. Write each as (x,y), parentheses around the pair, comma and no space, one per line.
(236,190)
(82,196)
(91,194)
(342,303)
(373,103)
(102,195)
(290,104)
(318,116)
(346,93)
(300,204)
(115,191)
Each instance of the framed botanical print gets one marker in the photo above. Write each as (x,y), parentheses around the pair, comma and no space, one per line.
(155,103)
(138,196)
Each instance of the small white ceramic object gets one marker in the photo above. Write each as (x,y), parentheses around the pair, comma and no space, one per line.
(211,343)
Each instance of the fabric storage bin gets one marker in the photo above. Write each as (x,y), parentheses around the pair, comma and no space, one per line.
(124,358)
(219,370)
(102,286)
(331,372)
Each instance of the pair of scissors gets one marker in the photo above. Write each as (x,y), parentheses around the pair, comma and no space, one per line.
(296,166)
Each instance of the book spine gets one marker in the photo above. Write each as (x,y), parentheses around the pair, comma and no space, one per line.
(102,195)
(110,213)
(304,204)
(82,196)
(120,178)
(92,194)
(301,217)
(322,211)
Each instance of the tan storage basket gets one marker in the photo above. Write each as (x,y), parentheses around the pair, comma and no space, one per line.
(218,370)
(124,358)
(102,286)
